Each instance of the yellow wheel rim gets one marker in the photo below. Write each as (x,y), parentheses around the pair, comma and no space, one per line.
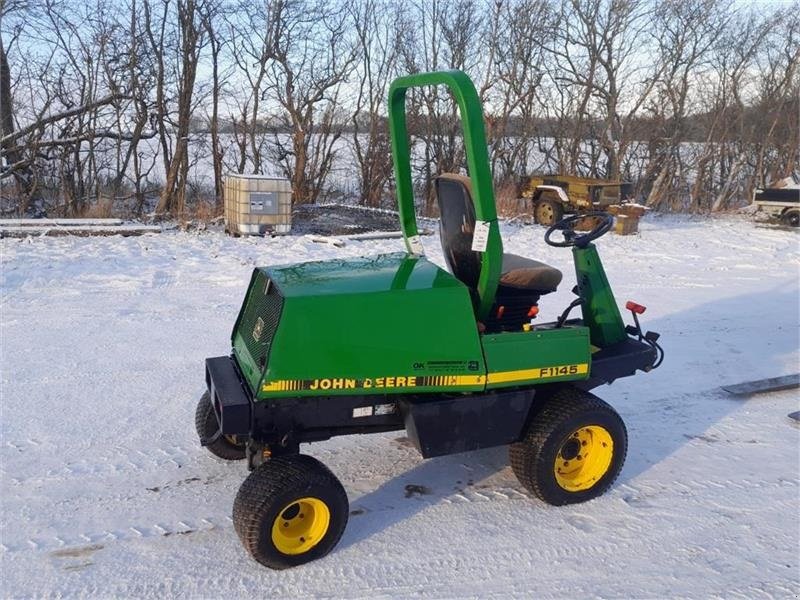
(584,457)
(300,525)
(545,213)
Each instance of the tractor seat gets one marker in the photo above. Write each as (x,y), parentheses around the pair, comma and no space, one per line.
(527,274)
(457,224)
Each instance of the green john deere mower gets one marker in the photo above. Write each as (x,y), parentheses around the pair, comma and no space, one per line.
(455,358)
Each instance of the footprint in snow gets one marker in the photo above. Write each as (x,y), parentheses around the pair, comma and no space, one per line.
(581,523)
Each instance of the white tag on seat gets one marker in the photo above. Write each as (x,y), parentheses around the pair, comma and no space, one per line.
(480,238)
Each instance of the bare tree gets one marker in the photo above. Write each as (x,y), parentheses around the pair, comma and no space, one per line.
(685,33)
(310,57)
(73,134)
(520,34)
(777,148)
(212,14)
(573,74)
(252,31)
(156,18)
(12,161)
(191,38)
(437,35)
(376,57)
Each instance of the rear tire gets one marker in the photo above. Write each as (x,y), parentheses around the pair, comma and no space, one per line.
(205,421)
(547,211)
(791,218)
(573,449)
(289,511)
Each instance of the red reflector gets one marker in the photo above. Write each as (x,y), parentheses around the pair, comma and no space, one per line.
(500,312)
(533,312)
(637,308)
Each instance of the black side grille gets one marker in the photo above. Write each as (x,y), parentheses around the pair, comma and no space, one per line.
(260,318)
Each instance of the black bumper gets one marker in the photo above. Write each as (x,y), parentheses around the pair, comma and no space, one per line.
(620,360)
(229,396)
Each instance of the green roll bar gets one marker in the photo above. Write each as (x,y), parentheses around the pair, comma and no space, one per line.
(469,106)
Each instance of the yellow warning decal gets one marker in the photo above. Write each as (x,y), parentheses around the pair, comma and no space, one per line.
(400,381)
(538,373)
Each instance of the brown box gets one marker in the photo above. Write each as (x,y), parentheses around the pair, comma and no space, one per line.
(257,204)
(625,225)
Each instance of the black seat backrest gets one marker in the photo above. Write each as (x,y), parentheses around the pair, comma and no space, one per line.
(457,226)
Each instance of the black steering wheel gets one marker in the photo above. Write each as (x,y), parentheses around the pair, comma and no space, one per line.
(567,227)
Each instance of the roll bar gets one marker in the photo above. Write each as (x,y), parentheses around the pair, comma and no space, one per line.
(469,105)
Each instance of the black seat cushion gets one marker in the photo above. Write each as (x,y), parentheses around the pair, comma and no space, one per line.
(528,274)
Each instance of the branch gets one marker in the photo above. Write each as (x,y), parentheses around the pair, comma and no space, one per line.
(123,137)
(10,170)
(11,137)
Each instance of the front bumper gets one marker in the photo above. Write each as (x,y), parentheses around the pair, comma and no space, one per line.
(230,397)
(619,360)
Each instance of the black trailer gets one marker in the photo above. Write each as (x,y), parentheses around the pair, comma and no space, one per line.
(782,202)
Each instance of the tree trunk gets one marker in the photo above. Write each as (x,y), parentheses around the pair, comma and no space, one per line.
(173,196)
(10,151)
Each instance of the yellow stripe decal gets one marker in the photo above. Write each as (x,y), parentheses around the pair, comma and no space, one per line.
(403,382)
(413,381)
(538,373)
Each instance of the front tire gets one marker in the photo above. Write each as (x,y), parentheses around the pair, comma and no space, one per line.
(289,511)
(226,447)
(573,449)
(547,211)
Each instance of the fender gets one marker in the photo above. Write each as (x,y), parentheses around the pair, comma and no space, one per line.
(562,195)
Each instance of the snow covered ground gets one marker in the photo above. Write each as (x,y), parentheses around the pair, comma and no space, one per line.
(106,492)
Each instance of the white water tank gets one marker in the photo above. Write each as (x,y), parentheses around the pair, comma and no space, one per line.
(257,204)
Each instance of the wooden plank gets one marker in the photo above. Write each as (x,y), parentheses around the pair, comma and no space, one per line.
(761,386)
(57,222)
(382,235)
(318,239)
(79,230)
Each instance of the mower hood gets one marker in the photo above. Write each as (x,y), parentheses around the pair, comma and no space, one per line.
(396,321)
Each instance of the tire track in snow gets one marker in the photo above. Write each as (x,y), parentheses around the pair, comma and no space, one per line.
(633,493)
(119,462)
(118,534)
(466,496)
(194,524)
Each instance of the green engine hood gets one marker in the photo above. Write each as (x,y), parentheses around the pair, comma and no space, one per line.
(388,324)
(384,273)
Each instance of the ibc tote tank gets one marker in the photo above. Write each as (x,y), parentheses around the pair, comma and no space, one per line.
(257,204)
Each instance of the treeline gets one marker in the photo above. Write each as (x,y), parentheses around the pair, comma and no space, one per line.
(139,105)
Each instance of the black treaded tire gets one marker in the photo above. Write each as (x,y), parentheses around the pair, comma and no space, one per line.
(205,422)
(272,487)
(791,217)
(534,457)
(547,211)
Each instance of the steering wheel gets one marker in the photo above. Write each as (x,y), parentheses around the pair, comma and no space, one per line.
(567,227)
